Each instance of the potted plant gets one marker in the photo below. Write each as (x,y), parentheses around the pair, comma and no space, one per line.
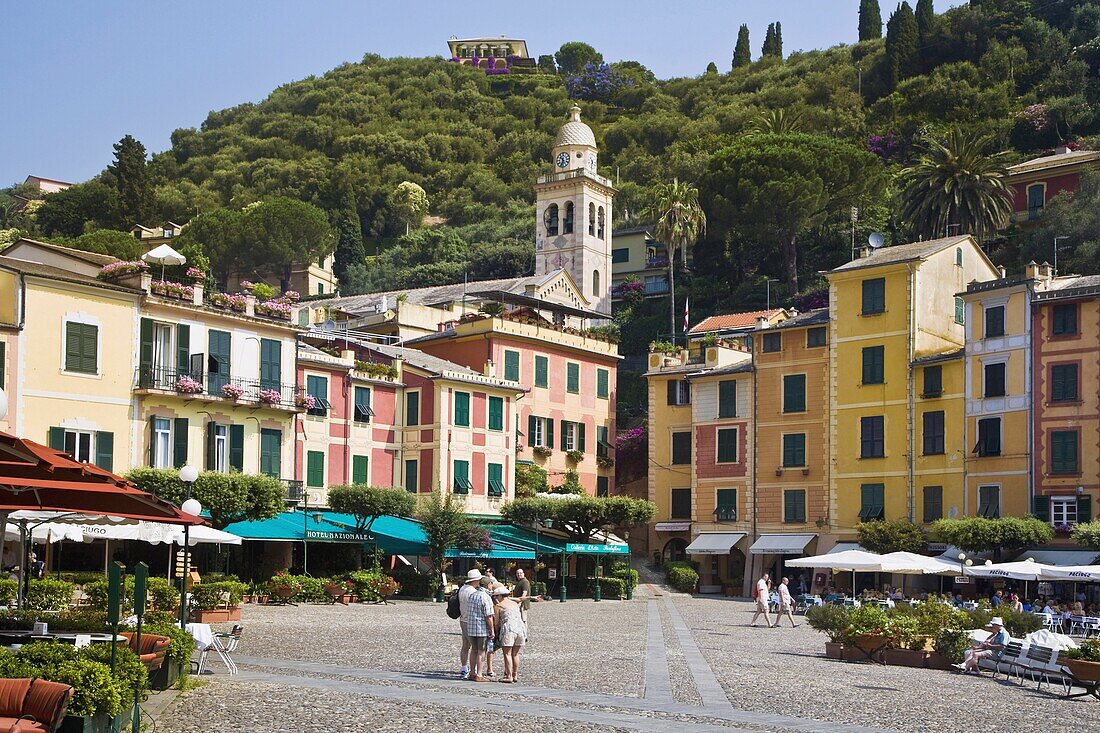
(270,396)
(576,456)
(905,644)
(305,401)
(949,646)
(188,385)
(196,274)
(831,620)
(867,632)
(604,461)
(542,451)
(1084,661)
(232,391)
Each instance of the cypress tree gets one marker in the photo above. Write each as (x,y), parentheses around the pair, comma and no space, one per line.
(926,20)
(350,249)
(769,41)
(742,53)
(778,42)
(902,42)
(870,20)
(712,68)
(131,180)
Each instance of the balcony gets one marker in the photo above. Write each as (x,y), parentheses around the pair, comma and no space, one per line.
(211,386)
(725,514)
(656,287)
(577,173)
(295,491)
(656,261)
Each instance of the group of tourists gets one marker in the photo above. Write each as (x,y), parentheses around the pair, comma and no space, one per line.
(762,593)
(493,616)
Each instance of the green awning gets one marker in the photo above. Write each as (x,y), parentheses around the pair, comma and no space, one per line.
(497,553)
(393,535)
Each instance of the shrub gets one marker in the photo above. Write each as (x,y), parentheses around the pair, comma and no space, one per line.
(867,620)
(49,595)
(830,619)
(97,595)
(414,584)
(680,564)
(208,596)
(67,620)
(614,587)
(96,690)
(902,632)
(625,573)
(933,617)
(9,589)
(129,670)
(952,644)
(1088,651)
(82,577)
(1021,623)
(683,579)
(183,644)
(164,594)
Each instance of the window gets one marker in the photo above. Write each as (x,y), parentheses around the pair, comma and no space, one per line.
(496,413)
(567,220)
(495,472)
(572,436)
(1063,451)
(320,288)
(960,311)
(603,447)
(363,411)
(681,504)
(166,233)
(1064,319)
(726,505)
(1063,383)
(794,450)
(573,378)
(462,409)
(794,506)
(78,444)
(359,470)
(933,503)
(727,398)
(794,393)
(1036,193)
(218,361)
(600,228)
(271,452)
(958,256)
(412,408)
(989,437)
(872,503)
(874,296)
(933,381)
(602,384)
(681,448)
(994,321)
(162,443)
(317,387)
(542,371)
(315,468)
(602,485)
(933,433)
(462,483)
(592,219)
(994,380)
(412,475)
(1063,510)
(872,438)
(511,365)
(874,364)
(85,446)
(81,347)
(989,502)
(596,282)
(815,337)
(773,342)
(620,255)
(679,392)
(218,458)
(550,220)
(656,284)
(727,445)
(541,432)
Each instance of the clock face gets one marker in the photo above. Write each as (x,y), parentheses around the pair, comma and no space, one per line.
(592,161)
(563,160)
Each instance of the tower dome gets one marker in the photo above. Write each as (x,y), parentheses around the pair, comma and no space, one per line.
(575,132)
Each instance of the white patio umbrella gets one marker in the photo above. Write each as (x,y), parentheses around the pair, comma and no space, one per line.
(853,561)
(910,563)
(1075,573)
(164,255)
(1020,570)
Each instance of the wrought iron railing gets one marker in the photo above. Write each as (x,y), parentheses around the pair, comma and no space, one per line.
(212,384)
(295,490)
(726,514)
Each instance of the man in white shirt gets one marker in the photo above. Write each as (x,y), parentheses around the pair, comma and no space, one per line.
(785,604)
(763,588)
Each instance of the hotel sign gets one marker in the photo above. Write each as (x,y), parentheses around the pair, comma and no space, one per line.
(315,534)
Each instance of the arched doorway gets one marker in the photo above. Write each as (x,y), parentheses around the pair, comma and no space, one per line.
(675,550)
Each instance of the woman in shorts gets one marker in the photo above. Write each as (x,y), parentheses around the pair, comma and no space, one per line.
(513,632)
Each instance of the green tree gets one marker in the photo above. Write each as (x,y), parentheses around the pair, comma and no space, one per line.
(70,212)
(978,534)
(131,180)
(368,503)
(742,52)
(902,44)
(712,68)
(1075,216)
(229,497)
(891,536)
(925,15)
(870,20)
(679,221)
(350,249)
(1087,534)
(409,203)
(581,517)
(778,43)
(530,480)
(955,183)
(546,64)
(574,55)
(279,232)
(768,49)
(218,234)
(122,245)
(446,525)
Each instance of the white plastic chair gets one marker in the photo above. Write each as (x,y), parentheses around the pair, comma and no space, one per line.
(224,645)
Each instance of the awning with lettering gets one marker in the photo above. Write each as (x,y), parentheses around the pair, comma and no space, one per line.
(672,526)
(781,544)
(714,543)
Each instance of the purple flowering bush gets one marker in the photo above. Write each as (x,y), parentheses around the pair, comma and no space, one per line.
(596,82)
(885,146)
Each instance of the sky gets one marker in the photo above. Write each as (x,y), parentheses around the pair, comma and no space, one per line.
(77,76)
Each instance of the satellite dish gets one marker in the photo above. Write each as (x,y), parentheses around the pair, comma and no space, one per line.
(876,240)
(329,325)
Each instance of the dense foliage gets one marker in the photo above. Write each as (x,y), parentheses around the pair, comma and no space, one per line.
(581,517)
(368,503)
(229,497)
(891,536)
(978,534)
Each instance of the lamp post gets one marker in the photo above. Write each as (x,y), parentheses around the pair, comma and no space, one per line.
(1056,240)
(192,507)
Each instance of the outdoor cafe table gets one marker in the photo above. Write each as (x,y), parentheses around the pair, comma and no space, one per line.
(9,638)
(204,635)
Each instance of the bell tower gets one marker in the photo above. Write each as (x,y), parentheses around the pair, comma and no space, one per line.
(573,215)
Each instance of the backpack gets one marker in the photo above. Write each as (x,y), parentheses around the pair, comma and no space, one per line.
(453,609)
(755,591)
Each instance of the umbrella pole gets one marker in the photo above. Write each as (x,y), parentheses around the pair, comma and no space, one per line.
(3,534)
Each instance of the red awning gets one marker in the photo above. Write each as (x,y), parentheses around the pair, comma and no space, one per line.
(33,476)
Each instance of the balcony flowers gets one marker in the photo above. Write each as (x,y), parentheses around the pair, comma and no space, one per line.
(575,456)
(542,451)
(173,289)
(275,308)
(232,391)
(247,285)
(292,295)
(195,273)
(307,401)
(270,397)
(121,269)
(233,301)
(187,385)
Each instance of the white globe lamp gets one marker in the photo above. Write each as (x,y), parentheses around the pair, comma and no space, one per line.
(969,563)
(189,474)
(988,562)
(191,507)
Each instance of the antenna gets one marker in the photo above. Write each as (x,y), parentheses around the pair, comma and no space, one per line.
(876,240)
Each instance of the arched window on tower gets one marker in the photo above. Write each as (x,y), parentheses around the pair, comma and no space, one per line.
(591,219)
(599,220)
(550,219)
(567,222)
(596,283)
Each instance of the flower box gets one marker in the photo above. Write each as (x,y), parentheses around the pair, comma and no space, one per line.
(187,385)
(216,616)
(271,397)
(905,657)
(834,650)
(165,677)
(1083,670)
(97,723)
(232,391)
(232,301)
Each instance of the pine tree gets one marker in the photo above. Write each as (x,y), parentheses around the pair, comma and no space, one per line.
(712,68)
(742,53)
(926,20)
(131,180)
(870,20)
(769,41)
(778,42)
(902,42)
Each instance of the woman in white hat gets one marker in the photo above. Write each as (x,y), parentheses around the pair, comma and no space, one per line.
(513,632)
(992,647)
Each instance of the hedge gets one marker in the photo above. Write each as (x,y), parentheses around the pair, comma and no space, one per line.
(49,595)
(683,579)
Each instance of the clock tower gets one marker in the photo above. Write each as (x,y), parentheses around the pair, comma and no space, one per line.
(573,215)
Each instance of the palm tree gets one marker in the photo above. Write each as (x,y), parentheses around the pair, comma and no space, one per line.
(777,122)
(679,221)
(954,183)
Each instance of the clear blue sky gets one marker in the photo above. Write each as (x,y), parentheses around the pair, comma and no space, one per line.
(77,76)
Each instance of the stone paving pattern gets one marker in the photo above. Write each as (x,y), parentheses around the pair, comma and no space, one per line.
(664,661)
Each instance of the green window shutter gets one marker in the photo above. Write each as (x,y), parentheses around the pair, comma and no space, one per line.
(794,450)
(412,408)
(564,433)
(794,506)
(150,454)
(146,378)
(236,447)
(495,476)
(1040,508)
(933,381)
(549,432)
(183,349)
(81,348)
(271,363)
(179,442)
(580,437)
(933,503)
(873,358)
(315,468)
(411,470)
(542,371)
(872,502)
(511,365)
(727,445)
(496,413)
(105,450)
(602,388)
(671,385)
(303,318)
(362,408)
(794,393)
(874,296)
(218,362)
(57,438)
(1063,451)
(1063,383)
(3,363)
(271,452)
(462,409)
(602,486)
(727,398)
(1084,508)
(531,431)
(573,378)
(960,311)
(359,470)
(462,477)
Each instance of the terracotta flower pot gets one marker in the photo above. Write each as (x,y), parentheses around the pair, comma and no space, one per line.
(935,660)
(834,650)
(1083,670)
(904,657)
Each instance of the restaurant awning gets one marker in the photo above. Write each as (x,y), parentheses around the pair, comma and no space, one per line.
(781,544)
(1061,558)
(521,537)
(496,553)
(393,535)
(843,546)
(714,543)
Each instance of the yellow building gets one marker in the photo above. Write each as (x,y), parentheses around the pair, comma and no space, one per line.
(890,310)
(635,254)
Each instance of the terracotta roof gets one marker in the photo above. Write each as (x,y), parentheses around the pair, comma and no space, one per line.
(49,272)
(90,257)
(732,321)
(903,253)
(809,318)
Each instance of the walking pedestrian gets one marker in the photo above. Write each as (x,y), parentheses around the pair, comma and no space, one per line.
(763,588)
(785,604)
(476,612)
(522,594)
(513,632)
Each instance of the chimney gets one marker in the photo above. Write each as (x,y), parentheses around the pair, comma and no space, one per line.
(865,252)
(1043,273)
(761,322)
(1001,272)
(1062,150)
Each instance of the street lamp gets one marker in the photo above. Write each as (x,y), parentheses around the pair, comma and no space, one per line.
(191,507)
(1056,240)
